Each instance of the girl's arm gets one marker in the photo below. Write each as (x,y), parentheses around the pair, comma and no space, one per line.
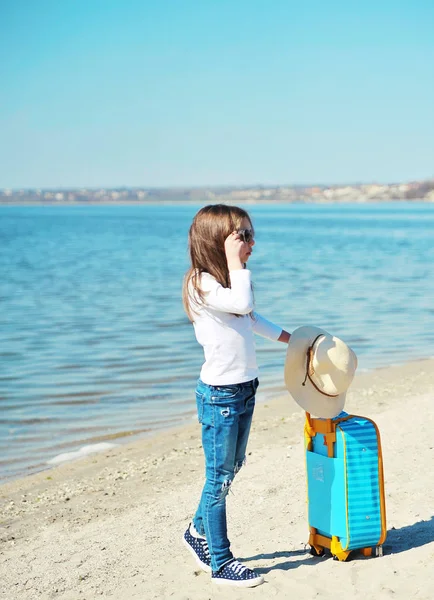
(237,299)
(269,330)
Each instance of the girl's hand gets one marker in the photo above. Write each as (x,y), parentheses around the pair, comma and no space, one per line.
(234,249)
(284,337)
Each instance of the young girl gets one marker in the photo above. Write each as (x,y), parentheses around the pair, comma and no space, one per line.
(218,299)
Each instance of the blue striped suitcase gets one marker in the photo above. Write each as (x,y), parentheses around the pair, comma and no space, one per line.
(345,485)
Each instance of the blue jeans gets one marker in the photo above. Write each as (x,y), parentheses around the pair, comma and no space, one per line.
(225,413)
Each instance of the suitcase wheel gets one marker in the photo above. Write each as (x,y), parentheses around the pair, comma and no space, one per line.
(341,558)
(344,556)
(315,551)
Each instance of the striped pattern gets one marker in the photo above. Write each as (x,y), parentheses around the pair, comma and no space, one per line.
(359,438)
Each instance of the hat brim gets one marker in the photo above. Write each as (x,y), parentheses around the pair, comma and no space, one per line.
(306,395)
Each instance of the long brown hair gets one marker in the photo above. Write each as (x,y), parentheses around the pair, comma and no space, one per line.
(206,243)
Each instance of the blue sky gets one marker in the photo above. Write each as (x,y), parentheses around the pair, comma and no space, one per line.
(165,93)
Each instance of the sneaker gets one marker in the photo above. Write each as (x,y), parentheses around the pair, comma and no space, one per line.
(198,547)
(235,573)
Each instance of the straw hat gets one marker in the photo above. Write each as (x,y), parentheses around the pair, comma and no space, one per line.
(319,369)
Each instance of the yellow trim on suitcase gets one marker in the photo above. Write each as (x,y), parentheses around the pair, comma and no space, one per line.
(346,491)
(383,534)
(382,492)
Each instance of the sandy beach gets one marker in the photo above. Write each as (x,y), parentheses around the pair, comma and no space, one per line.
(110,525)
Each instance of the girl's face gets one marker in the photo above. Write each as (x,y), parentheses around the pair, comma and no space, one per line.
(247,246)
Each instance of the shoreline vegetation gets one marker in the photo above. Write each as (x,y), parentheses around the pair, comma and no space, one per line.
(110,525)
(421,191)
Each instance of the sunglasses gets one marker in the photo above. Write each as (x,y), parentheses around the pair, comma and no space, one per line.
(246,235)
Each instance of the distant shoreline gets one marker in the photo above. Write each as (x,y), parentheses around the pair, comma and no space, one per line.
(420,190)
(261,202)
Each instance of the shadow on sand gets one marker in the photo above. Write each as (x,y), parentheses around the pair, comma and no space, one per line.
(398,540)
(411,536)
(306,559)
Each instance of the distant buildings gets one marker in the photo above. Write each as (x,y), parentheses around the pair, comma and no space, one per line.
(373,192)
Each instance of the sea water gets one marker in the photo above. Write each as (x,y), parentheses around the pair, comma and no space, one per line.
(94,343)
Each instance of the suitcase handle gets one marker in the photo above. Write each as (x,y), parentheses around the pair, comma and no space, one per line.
(327,427)
(324,425)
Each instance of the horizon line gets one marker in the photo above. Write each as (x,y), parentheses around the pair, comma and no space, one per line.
(216,186)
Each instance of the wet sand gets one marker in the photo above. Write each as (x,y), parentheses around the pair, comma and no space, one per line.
(110,525)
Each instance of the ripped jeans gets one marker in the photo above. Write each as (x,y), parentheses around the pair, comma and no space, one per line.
(225,413)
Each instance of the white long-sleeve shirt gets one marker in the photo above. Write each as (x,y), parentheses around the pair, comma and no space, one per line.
(228,340)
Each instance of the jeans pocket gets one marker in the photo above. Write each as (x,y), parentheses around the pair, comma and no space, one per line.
(225,392)
(199,404)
